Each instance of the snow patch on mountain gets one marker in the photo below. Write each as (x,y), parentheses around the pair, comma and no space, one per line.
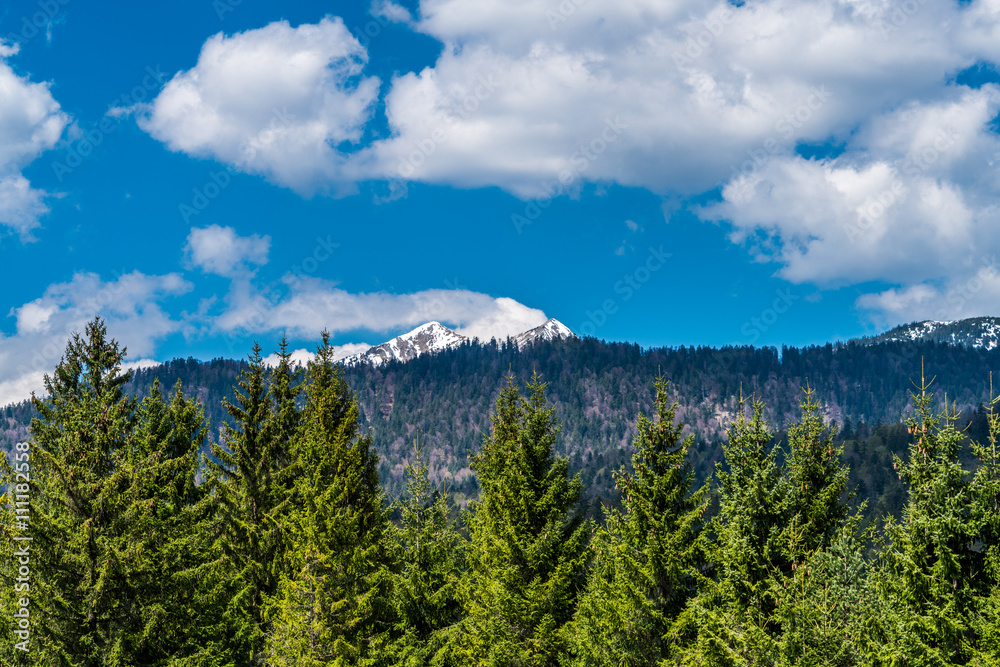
(976,332)
(434,337)
(553,329)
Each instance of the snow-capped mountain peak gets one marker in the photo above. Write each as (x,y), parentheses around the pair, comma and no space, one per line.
(553,329)
(434,337)
(430,337)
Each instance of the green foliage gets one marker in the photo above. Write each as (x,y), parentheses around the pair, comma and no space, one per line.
(647,554)
(927,570)
(817,479)
(734,615)
(432,558)
(527,555)
(112,515)
(825,605)
(986,488)
(242,476)
(286,554)
(332,604)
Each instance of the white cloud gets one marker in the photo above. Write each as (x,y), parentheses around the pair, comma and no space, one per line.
(130,305)
(308,306)
(695,87)
(975,292)
(277,101)
(910,202)
(390,11)
(302,357)
(31,122)
(539,98)
(220,250)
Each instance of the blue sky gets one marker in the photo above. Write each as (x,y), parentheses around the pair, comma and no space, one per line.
(203,174)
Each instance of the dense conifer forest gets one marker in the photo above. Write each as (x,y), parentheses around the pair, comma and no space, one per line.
(154,542)
(599,389)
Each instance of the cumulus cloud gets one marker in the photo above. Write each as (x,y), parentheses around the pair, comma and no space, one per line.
(302,357)
(306,306)
(281,102)
(910,202)
(390,11)
(31,122)
(131,304)
(221,251)
(691,87)
(539,98)
(680,98)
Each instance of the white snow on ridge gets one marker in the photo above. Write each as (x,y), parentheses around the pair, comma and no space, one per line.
(434,337)
(553,329)
(978,332)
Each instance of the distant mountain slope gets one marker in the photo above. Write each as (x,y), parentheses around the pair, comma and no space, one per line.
(427,338)
(434,337)
(553,329)
(980,332)
(599,388)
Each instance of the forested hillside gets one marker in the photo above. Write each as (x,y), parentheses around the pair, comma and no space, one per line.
(599,389)
(281,548)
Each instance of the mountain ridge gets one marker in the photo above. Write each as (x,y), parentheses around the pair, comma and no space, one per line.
(433,337)
(975,332)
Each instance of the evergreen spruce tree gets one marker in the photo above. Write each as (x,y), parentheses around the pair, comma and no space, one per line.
(927,567)
(821,609)
(282,430)
(985,644)
(242,477)
(528,551)
(734,615)
(825,605)
(183,615)
(647,556)
(432,558)
(108,495)
(332,606)
(818,496)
